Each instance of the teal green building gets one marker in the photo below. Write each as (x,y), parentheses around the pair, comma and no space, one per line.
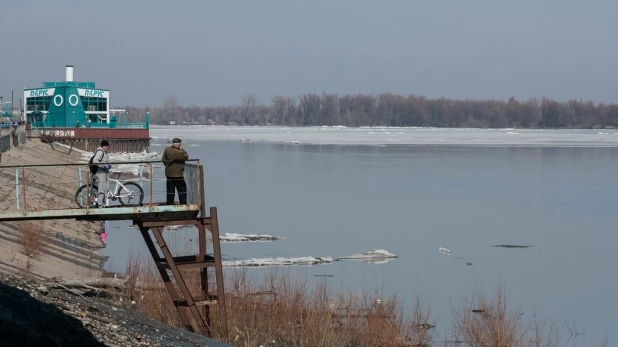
(68,104)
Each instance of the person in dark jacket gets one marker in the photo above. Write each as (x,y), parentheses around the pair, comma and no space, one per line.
(174,158)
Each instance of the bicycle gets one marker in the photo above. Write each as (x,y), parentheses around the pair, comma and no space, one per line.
(123,192)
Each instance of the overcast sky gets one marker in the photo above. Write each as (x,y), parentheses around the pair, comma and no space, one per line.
(211,53)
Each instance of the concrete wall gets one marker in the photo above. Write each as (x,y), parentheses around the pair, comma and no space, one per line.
(89,139)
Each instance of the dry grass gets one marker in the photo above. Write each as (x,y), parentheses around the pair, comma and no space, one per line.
(279,311)
(291,314)
(33,239)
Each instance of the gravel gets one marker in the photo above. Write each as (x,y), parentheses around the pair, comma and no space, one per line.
(34,313)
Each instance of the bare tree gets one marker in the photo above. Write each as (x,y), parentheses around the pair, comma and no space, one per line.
(249,102)
(392,110)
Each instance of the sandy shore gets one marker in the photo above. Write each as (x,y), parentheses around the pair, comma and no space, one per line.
(71,246)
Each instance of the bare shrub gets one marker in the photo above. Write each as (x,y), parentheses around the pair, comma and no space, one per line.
(280,311)
(487,323)
(33,238)
(420,332)
(484,322)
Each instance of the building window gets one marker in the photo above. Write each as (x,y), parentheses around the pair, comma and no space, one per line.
(94,104)
(40,103)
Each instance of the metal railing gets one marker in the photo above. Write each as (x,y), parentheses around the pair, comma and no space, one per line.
(51,188)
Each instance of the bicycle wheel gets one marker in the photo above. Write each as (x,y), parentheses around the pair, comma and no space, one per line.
(131,195)
(82,197)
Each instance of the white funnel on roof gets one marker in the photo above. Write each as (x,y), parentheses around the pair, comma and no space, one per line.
(69,73)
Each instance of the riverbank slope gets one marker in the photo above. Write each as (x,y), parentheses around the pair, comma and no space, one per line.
(68,247)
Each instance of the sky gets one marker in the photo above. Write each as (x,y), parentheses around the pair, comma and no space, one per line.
(212,53)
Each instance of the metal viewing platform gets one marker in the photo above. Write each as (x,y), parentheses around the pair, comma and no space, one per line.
(49,192)
(56,191)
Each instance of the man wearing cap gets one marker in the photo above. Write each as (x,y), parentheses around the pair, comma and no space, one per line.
(174,158)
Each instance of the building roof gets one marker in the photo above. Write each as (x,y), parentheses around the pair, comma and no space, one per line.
(87,85)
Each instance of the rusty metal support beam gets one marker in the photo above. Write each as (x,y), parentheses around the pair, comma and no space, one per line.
(167,281)
(186,301)
(180,281)
(201,257)
(214,228)
(201,190)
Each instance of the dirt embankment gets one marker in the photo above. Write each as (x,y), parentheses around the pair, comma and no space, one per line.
(66,248)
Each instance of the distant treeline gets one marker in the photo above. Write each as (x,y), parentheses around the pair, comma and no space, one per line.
(392,110)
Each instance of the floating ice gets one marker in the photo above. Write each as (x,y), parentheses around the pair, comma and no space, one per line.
(233,237)
(373,256)
(444,250)
(279,261)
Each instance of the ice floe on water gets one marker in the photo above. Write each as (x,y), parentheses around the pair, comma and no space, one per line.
(279,261)
(233,237)
(373,256)
(444,250)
